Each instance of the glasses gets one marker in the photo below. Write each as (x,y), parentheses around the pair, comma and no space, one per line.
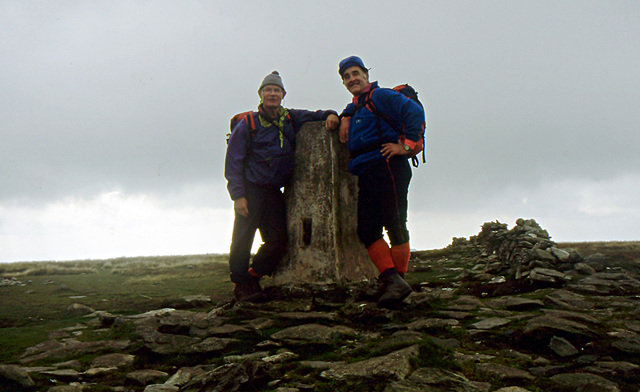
(271,90)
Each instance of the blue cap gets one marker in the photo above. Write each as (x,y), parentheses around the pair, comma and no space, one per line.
(350,62)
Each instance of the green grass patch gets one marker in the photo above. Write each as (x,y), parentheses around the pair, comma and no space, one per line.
(28,312)
(14,340)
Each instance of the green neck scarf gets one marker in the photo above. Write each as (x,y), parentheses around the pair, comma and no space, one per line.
(278,122)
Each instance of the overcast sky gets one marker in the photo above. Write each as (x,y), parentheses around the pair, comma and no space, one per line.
(113,114)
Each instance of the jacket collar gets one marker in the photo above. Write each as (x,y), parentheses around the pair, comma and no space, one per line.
(360,99)
(267,121)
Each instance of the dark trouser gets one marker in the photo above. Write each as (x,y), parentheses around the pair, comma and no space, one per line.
(267,214)
(382,201)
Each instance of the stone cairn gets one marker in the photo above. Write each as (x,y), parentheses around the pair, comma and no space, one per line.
(526,252)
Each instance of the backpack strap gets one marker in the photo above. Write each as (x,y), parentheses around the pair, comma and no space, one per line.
(370,106)
(250,119)
(368,103)
(251,122)
(248,116)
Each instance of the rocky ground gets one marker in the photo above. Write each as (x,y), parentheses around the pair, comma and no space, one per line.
(506,310)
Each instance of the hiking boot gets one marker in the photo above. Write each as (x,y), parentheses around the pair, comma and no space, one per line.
(396,291)
(255,285)
(376,290)
(254,282)
(247,292)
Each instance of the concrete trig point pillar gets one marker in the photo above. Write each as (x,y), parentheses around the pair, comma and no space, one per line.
(322,214)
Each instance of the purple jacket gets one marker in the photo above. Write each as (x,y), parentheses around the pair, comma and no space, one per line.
(264,156)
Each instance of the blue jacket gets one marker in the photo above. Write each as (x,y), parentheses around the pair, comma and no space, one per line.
(367,132)
(266,157)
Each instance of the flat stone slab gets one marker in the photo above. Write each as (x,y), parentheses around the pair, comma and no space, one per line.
(312,333)
(516,303)
(434,380)
(584,381)
(504,373)
(211,345)
(395,366)
(490,323)
(113,360)
(16,374)
(544,327)
(71,348)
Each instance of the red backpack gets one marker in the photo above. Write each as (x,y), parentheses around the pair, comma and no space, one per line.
(235,120)
(251,118)
(412,94)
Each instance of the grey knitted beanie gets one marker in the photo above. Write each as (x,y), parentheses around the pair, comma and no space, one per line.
(272,79)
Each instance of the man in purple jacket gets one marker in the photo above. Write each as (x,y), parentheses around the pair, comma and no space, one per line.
(259,162)
(380,142)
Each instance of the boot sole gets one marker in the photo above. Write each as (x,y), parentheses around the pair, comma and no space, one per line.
(394,303)
(254,298)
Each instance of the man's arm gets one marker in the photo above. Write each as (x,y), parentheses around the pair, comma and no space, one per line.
(402,114)
(241,206)
(345,117)
(332,122)
(234,166)
(300,116)
(392,149)
(343,133)
(405,116)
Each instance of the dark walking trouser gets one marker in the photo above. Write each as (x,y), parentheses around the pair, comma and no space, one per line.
(267,214)
(382,201)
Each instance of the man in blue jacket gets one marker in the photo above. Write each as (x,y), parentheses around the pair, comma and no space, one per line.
(259,162)
(380,143)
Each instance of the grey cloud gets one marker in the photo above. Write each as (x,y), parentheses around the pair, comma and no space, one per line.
(119,95)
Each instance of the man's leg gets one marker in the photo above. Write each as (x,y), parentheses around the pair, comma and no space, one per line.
(400,254)
(380,255)
(273,230)
(376,194)
(370,222)
(244,229)
(377,207)
(395,217)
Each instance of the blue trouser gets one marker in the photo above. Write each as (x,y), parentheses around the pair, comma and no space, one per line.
(382,201)
(267,213)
